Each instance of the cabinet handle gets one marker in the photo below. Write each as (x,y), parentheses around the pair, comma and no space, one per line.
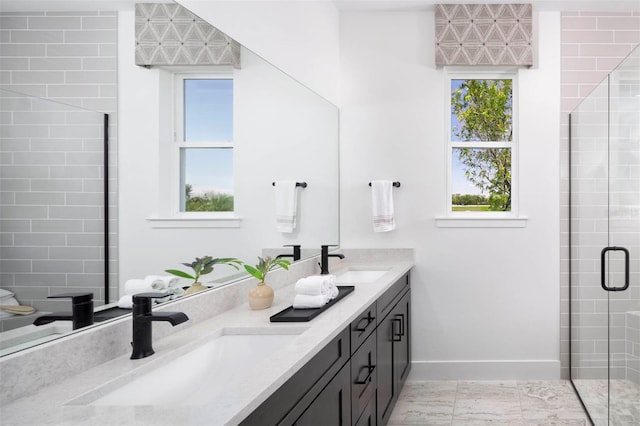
(396,337)
(369,319)
(367,379)
(401,323)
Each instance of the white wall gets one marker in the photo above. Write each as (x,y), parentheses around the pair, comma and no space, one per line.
(282,131)
(300,37)
(485,301)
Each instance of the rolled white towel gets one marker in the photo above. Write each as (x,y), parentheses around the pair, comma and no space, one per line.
(137,285)
(313,286)
(334,292)
(158,283)
(305,301)
(126,302)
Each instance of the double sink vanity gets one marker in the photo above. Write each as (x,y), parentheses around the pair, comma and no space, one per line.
(231,365)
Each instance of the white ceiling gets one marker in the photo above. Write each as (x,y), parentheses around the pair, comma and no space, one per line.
(372,5)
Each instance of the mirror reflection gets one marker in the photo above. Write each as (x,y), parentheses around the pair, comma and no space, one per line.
(281,132)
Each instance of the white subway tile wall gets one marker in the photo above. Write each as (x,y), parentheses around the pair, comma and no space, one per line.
(592,45)
(51,153)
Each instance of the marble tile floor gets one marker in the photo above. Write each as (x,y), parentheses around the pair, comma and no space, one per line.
(475,403)
(622,407)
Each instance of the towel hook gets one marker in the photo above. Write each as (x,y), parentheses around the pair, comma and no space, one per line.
(300,184)
(396,184)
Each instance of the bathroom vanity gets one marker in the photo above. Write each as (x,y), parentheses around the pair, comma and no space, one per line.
(346,366)
(357,377)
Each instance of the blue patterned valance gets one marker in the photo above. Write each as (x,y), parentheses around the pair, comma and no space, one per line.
(484,34)
(168,34)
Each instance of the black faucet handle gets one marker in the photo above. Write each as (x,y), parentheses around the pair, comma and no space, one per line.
(150,295)
(76,298)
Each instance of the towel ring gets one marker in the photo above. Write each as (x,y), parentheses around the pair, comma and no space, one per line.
(395,184)
(300,184)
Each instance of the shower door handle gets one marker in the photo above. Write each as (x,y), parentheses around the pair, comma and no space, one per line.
(603,275)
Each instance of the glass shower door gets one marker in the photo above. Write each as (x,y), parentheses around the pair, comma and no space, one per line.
(589,167)
(622,266)
(605,247)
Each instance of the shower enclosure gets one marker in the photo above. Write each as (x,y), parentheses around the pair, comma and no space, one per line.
(605,247)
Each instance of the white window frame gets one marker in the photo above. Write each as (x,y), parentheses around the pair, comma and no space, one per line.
(173,217)
(481,219)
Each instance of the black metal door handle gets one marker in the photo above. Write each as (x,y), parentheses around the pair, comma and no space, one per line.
(369,319)
(396,337)
(603,275)
(367,379)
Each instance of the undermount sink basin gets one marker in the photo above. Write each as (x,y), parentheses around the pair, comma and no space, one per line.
(30,335)
(199,374)
(357,276)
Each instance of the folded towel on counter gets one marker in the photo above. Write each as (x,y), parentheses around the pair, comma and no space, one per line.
(126,302)
(161,282)
(382,205)
(313,285)
(305,301)
(145,285)
(166,283)
(286,199)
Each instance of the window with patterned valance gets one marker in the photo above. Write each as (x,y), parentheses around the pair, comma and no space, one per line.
(169,34)
(484,34)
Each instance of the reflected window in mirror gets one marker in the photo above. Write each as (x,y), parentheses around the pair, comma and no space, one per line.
(204,142)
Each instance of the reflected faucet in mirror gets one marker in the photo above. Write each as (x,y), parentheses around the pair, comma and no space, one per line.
(142,319)
(81,314)
(295,255)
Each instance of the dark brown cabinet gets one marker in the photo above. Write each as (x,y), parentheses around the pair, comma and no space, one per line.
(394,355)
(333,405)
(355,379)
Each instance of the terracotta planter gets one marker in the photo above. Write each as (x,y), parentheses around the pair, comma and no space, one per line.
(194,288)
(260,296)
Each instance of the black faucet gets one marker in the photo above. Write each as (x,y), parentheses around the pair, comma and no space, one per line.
(324,258)
(296,252)
(81,311)
(142,319)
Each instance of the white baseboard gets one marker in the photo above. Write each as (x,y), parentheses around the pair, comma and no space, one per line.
(485,370)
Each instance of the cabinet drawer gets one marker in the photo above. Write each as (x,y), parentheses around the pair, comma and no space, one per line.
(300,390)
(362,327)
(387,301)
(363,376)
(368,416)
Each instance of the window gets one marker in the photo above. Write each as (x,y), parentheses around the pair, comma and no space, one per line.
(204,142)
(482,141)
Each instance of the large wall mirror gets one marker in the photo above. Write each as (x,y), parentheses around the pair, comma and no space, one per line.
(282,131)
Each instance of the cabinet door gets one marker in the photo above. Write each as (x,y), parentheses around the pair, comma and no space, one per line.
(363,376)
(402,343)
(385,375)
(394,354)
(368,416)
(333,404)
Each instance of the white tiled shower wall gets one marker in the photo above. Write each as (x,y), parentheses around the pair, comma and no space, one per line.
(593,44)
(71,58)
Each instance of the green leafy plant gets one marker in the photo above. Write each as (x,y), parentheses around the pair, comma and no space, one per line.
(265,265)
(202,266)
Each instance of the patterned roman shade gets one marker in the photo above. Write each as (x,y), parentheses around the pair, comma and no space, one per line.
(168,34)
(483,34)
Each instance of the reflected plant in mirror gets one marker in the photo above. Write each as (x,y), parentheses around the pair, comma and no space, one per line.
(202,266)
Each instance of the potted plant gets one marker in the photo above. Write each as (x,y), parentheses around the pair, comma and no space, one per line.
(261,296)
(202,266)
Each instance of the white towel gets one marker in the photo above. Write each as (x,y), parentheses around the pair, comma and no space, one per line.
(305,301)
(382,204)
(136,285)
(163,281)
(126,302)
(286,207)
(313,286)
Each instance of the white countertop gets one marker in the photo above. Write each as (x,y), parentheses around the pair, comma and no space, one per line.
(51,405)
